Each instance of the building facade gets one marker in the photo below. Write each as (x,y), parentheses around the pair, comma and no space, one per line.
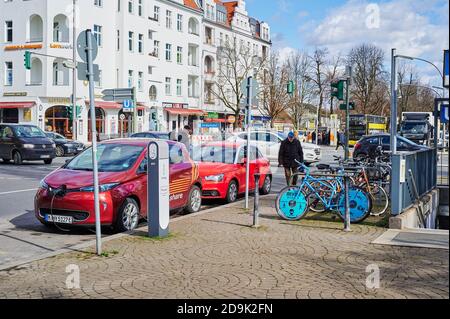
(166,50)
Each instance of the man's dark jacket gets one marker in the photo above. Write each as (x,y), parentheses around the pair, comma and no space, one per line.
(289,152)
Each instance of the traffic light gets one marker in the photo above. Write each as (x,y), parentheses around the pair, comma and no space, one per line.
(337,90)
(27,60)
(351,106)
(290,87)
(70,112)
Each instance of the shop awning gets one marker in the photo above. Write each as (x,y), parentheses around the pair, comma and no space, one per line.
(185,112)
(16,105)
(106,105)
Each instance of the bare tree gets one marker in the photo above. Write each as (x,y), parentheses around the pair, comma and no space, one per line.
(273,96)
(407,84)
(368,78)
(236,63)
(318,75)
(298,65)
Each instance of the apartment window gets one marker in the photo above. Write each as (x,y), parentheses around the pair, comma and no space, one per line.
(150,70)
(179,55)
(150,34)
(141,43)
(153,93)
(168,86)
(140,8)
(130,6)
(118,40)
(98,34)
(156,13)
(8,73)
(140,81)
(130,41)
(8,31)
(179,87)
(98,3)
(130,78)
(168,19)
(180,23)
(118,5)
(156,48)
(168,52)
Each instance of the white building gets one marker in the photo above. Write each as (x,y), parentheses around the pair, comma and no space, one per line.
(157,46)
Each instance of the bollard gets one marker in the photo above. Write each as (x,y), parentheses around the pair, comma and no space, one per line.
(256,207)
(347,205)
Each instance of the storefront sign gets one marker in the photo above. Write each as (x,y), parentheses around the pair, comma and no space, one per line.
(175,105)
(231,119)
(23,47)
(213,115)
(61,46)
(210,125)
(15,94)
(62,100)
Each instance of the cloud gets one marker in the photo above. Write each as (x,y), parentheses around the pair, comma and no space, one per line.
(408,25)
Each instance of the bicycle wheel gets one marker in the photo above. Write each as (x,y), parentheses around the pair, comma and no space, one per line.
(379,197)
(314,203)
(291,203)
(360,204)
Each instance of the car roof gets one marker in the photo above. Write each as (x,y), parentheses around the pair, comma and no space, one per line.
(136,141)
(224,144)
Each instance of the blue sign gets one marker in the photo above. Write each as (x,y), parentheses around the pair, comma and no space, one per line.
(444,113)
(446,69)
(128,104)
(210,125)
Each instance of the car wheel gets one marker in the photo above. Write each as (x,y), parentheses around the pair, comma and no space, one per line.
(232,192)
(17,158)
(128,216)
(48,161)
(267,186)
(194,200)
(59,151)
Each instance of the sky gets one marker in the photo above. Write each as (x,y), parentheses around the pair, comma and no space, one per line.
(414,27)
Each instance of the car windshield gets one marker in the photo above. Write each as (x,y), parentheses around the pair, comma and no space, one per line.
(111,158)
(28,132)
(414,128)
(215,154)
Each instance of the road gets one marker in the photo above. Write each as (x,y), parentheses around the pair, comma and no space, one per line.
(22,237)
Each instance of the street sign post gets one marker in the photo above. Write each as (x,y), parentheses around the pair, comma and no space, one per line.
(87,50)
(158,209)
(118,95)
(82,71)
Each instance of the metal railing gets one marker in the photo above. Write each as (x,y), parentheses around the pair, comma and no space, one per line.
(411,171)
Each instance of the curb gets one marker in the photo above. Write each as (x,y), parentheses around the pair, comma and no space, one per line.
(91,243)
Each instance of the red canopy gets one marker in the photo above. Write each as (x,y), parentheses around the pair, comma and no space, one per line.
(16,105)
(185,112)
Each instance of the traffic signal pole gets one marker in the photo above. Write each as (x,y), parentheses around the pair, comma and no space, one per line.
(74,73)
(347,147)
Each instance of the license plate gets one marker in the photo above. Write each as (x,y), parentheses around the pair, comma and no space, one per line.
(45,156)
(59,219)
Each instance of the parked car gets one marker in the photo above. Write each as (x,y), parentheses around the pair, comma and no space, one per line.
(367,146)
(123,186)
(222,167)
(155,135)
(25,143)
(64,146)
(269,143)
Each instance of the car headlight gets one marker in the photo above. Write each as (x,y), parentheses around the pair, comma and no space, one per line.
(102,188)
(215,178)
(43,185)
(30,146)
(53,145)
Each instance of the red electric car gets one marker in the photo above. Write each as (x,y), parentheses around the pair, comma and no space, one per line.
(66,196)
(222,169)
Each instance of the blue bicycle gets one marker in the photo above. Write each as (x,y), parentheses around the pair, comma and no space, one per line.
(293,203)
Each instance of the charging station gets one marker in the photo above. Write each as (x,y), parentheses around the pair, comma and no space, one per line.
(158,189)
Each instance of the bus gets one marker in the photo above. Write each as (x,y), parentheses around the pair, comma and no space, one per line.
(362,125)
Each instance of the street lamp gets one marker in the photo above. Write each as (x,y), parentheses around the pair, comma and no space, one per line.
(424,87)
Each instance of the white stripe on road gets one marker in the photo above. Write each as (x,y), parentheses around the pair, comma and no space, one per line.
(20,191)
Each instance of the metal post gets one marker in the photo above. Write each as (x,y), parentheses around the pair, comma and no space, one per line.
(347,113)
(249,119)
(394,103)
(256,208)
(347,205)
(74,72)
(94,141)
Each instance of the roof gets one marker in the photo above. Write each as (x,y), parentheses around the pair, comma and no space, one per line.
(231,7)
(192,4)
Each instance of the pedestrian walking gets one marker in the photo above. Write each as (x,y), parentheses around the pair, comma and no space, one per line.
(340,140)
(291,151)
(183,136)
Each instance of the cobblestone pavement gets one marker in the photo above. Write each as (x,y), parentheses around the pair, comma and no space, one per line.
(216,255)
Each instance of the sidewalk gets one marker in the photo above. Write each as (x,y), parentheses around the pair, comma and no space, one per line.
(216,255)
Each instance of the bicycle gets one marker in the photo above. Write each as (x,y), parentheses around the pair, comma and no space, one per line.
(292,202)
